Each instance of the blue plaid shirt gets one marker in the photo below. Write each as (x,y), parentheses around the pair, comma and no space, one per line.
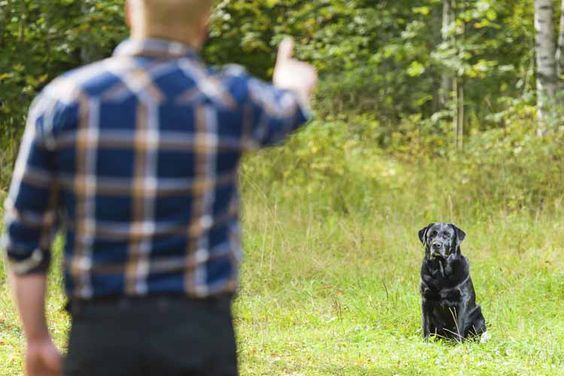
(136,159)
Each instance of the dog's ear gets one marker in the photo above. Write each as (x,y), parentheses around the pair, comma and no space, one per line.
(423,233)
(460,235)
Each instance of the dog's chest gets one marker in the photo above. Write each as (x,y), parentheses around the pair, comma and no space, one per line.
(438,280)
(439,276)
(441,288)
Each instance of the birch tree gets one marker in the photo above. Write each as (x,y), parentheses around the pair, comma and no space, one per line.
(547,80)
(560,49)
(452,84)
(446,76)
(459,80)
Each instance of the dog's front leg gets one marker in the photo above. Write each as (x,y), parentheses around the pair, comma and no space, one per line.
(460,313)
(426,323)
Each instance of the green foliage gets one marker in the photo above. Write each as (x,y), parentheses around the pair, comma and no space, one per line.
(40,40)
(379,57)
(387,57)
(339,164)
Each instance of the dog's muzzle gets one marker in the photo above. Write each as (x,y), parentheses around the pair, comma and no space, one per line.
(438,250)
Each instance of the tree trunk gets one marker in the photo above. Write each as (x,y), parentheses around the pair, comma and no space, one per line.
(560,49)
(458,86)
(460,113)
(546,61)
(446,78)
(436,28)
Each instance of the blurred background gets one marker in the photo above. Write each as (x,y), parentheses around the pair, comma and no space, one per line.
(427,110)
(413,79)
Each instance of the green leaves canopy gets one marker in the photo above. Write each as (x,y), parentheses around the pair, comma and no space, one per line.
(375,56)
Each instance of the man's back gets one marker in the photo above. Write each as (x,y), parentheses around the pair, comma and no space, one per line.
(136,159)
(144,149)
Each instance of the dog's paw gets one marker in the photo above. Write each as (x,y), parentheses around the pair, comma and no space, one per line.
(485,337)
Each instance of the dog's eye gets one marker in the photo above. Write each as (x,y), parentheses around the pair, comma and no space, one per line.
(434,233)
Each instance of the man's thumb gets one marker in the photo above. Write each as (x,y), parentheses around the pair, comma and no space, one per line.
(285,50)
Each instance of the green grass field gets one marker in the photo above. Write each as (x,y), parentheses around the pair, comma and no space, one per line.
(336,292)
(339,296)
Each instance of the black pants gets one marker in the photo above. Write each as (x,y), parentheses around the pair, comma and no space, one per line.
(151,336)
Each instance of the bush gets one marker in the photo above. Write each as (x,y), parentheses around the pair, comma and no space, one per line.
(8,151)
(343,165)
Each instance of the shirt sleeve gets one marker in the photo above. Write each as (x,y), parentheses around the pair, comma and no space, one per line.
(272,114)
(32,204)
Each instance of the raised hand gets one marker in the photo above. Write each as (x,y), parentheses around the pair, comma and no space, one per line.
(292,74)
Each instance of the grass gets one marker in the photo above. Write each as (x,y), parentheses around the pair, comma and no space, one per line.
(335,292)
(340,297)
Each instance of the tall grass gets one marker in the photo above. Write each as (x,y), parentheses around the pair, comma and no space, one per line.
(338,295)
(341,167)
(330,283)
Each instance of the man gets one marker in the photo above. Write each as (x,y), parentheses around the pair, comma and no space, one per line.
(136,159)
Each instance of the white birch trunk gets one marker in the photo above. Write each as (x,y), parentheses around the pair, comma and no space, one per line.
(446,79)
(458,87)
(560,49)
(547,81)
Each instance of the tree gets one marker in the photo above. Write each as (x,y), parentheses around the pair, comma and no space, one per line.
(547,80)
(448,23)
(452,85)
(560,50)
(394,60)
(459,82)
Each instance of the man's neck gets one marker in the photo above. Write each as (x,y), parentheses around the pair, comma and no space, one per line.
(181,36)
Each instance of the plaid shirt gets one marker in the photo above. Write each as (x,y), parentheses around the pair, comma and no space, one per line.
(136,159)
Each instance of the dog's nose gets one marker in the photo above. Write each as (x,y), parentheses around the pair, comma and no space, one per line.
(436,246)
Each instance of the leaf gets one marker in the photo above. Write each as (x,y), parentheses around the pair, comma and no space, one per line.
(425,11)
(415,69)
(491,14)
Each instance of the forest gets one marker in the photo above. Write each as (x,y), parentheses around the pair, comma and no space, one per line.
(426,110)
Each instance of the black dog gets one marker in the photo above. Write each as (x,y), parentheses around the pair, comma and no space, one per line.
(448,299)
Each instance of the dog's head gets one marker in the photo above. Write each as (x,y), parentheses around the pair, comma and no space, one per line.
(441,240)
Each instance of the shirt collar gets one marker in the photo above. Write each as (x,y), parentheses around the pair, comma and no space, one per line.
(157,48)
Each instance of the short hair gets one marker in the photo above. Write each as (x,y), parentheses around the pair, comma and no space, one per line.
(171,12)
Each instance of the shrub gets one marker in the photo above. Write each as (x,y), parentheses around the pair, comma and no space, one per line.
(339,165)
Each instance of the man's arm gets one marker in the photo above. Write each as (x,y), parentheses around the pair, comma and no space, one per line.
(29,294)
(31,222)
(279,108)
(42,356)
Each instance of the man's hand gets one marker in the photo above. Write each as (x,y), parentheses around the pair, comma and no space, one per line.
(293,74)
(42,358)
